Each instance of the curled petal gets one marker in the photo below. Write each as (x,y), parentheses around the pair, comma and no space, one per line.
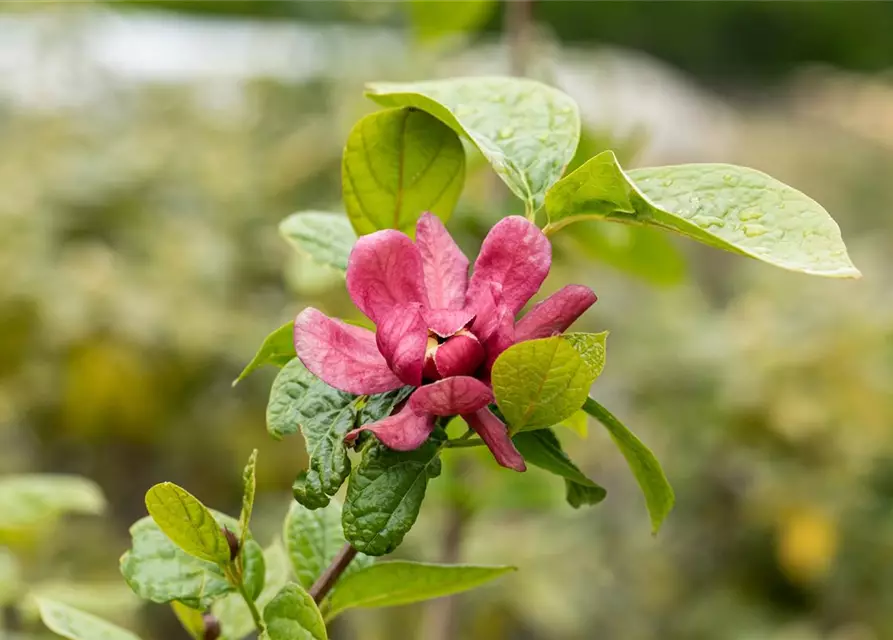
(460,355)
(452,396)
(401,337)
(343,356)
(496,436)
(446,322)
(444,264)
(502,337)
(516,256)
(555,314)
(404,431)
(385,271)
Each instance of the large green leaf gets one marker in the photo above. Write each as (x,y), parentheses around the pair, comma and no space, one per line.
(527,131)
(433,19)
(538,383)
(326,237)
(254,570)
(398,163)
(381,405)
(300,400)
(73,624)
(249,488)
(725,206)
(385,493)
(313,539)
(542,448)
(187,522)
(232,612)
(292,615)
(389,584)
(33,500)
(658,493)
(157,570)
(277,349)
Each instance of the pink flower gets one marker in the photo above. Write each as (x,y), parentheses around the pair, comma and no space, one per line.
(437,329)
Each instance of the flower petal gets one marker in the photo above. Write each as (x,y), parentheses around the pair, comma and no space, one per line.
(495,434)
(402,337)
(444,264)
(446,322)
(555,314)
(452,396)
(404,431)
(385,271)
(515,255)
(460,355)
(343,356)
(493,324)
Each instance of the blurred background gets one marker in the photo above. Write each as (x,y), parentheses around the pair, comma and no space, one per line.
(148,151)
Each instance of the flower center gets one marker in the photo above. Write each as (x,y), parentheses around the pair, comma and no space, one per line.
(459,355)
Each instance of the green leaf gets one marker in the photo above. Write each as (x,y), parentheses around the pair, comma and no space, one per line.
(326,237)
(725,206)
(232,612)
(526,130)
(187,522)
(292,615)
(433,19)
(542,448)
(298,399)
(73,624)
(254,568)
(591,348)
(578,423)
(385,493)
(658,493)
(157,570)
(389,584)
(381,405)
(192,620)
(398,163)
(277,349)
(29,501)
(313,539)
(538,383)
(249,482)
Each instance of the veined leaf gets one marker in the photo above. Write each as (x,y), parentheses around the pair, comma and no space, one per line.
(326,237)
(725,206)
(249,483)
(538,383)
(187,522)
(277,349)
(526,130)
(389,584)
(298,399)
(292,615)
(658,493)
(591,347)
(73,624)
(398,163)
(158,570)
(385,493)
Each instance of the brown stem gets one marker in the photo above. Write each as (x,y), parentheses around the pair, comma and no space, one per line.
(519,30)
(329,577)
